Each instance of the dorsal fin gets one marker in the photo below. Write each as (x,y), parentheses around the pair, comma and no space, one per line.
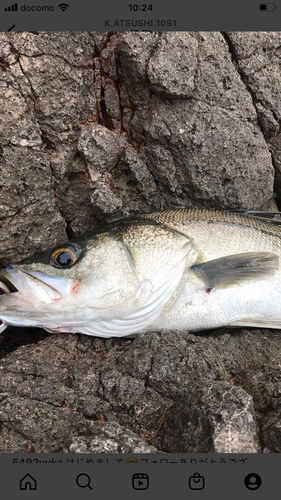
(273,217)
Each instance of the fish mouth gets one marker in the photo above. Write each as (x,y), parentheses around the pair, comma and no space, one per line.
(30,289)
(6,286)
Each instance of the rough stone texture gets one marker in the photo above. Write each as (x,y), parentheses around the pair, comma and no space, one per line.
(95,126)
(257,57)
(109,438)
(174,392)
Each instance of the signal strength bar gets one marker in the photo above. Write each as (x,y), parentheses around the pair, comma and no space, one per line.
(12,8)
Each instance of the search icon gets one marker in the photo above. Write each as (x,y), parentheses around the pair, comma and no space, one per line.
(83,481)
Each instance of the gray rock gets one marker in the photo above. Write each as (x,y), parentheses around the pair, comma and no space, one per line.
(257,56)
(272,432)
(172,67)
(109,438)
(201,158)
(101,150)
(29,216)
(234,170)
(178,392)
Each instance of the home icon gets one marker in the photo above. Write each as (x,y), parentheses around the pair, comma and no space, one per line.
(28,483)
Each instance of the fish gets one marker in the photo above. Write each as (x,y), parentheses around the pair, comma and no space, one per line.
(177,269)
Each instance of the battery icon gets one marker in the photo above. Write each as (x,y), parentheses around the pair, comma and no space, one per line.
(267,7)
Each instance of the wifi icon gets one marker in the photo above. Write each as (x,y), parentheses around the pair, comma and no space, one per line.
(63,6)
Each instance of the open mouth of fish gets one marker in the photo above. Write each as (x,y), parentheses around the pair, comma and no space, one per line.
(30,288)
(6,286)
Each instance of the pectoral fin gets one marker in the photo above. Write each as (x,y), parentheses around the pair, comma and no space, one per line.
(234,269)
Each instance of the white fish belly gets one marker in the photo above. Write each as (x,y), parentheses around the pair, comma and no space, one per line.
(193,308)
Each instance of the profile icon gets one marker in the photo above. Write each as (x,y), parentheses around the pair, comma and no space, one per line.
(252,481)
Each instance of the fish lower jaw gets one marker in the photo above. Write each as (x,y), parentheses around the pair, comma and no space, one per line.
(3,326)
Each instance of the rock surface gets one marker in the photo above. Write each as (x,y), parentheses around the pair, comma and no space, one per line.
(109,438)
(171,391)
(96,126)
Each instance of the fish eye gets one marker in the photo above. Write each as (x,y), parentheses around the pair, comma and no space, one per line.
(64,257)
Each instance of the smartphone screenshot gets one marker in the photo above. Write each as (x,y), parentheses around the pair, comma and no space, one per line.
(140,249)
